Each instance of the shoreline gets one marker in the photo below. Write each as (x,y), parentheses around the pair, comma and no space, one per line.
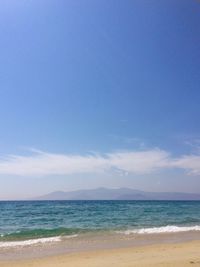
(174,254)
(87,243)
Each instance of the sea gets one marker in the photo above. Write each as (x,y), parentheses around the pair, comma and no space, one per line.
(23,223)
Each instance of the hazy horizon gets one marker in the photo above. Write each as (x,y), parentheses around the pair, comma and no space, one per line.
(99,94)
(37,197)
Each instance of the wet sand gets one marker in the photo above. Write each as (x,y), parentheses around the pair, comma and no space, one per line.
(177,254)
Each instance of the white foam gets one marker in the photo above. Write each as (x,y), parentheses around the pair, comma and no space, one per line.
(30,242)
(163,229)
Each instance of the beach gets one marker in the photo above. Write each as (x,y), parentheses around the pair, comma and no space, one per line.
(99,133)
(177,254)
(99,233)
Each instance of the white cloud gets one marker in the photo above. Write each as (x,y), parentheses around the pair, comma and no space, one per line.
(139,162)
(135,162)
(190,163)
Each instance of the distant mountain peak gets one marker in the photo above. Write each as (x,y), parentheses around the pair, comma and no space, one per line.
(103,193)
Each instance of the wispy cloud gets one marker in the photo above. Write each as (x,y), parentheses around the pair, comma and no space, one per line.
(128,140)
(40,163)
(190,163)
(194,144)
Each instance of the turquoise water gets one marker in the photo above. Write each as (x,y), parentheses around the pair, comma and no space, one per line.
(41,219)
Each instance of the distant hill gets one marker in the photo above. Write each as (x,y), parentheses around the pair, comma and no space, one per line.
(117,194)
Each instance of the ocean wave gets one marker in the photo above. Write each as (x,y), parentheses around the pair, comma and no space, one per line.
(162,229)
(9,244)
(37,233)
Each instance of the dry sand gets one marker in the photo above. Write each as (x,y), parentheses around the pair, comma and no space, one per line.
(174,255)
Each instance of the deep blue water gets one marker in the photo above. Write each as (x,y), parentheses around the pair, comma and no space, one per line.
(24,220)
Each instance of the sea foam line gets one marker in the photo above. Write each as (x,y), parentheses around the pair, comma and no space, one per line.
(7,244)
(162,229)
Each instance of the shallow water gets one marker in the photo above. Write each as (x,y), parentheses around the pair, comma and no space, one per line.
(47,220)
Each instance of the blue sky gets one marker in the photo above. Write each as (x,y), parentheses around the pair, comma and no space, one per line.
(93,85)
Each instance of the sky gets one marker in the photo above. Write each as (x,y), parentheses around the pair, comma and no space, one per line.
(99,94)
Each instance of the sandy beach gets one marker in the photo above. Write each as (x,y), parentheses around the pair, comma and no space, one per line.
(179,255)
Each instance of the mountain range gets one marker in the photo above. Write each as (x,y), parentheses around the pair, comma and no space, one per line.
(117,194)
